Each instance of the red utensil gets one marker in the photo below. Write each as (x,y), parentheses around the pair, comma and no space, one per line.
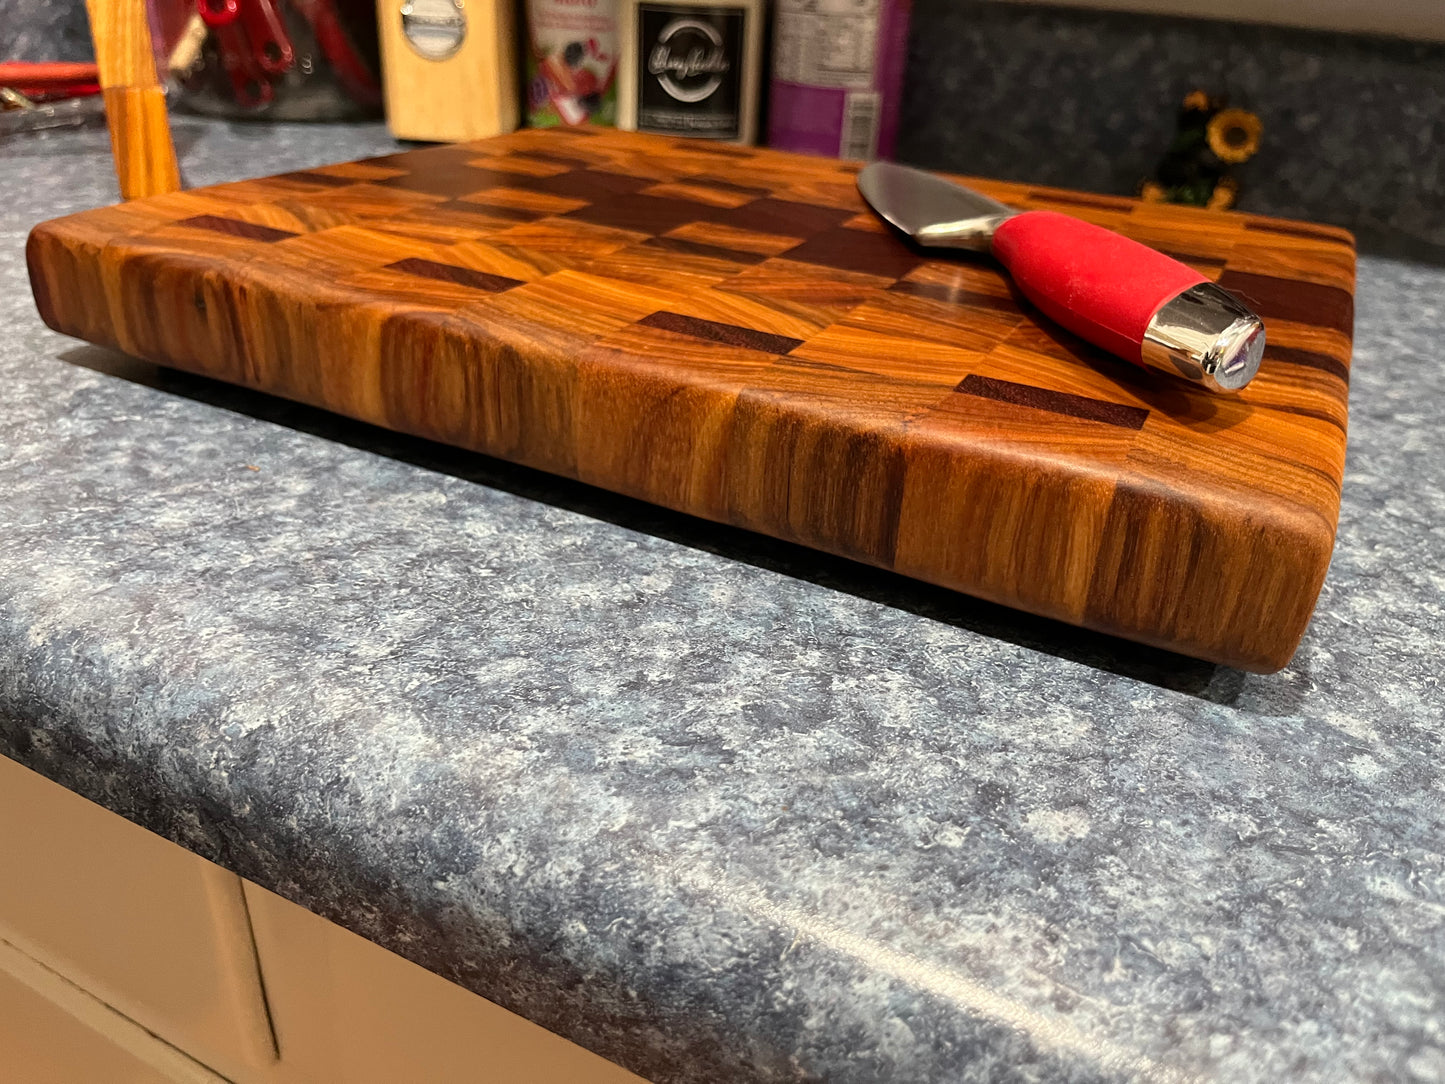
(353,73)
(218,13)
(1131,300)
(46,74)
(266,33)
(250,82)
(50,81)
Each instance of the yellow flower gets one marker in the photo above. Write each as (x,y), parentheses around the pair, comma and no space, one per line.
(1153,192)
(1233,134)
(1226,190)
(1197,100)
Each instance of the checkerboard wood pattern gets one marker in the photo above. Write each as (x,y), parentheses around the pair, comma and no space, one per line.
(730,332)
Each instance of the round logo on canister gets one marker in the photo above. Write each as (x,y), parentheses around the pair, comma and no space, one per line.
(689,60)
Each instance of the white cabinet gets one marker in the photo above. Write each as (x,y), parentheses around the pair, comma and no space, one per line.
(348,1012)
(147,927)
(125,959)
(42,1043)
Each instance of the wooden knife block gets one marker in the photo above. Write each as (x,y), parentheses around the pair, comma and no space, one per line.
(730,332)
(467,94)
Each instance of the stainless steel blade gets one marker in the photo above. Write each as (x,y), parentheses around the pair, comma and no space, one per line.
(935,212)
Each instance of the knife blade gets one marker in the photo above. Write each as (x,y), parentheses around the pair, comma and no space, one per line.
(1118,294)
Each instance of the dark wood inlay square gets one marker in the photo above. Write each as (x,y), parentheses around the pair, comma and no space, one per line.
(1056,402)
(1292,299)
(1292,355)
(721,185)
(697,248)
(728,334)
(645,214)
(591,184)
(1193,258)
(1306,412)
(555,159)
(1297,229)
(460,276)
(236,228)
(857,250)
(785,218)
(324,180)
(423,157)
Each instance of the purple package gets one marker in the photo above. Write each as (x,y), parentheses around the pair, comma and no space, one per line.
(837,76)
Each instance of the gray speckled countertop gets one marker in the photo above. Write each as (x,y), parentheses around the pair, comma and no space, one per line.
(713,806)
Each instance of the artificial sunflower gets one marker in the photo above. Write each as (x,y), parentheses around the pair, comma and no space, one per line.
(1153,192)
(1198,102)
(1233,135)
(1226,191)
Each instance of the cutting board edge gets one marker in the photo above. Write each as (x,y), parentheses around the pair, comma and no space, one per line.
(62,317)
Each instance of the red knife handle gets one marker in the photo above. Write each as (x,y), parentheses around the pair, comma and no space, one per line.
(1097,283)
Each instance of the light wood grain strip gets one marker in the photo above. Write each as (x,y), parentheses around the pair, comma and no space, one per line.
(140,141)
(135,105)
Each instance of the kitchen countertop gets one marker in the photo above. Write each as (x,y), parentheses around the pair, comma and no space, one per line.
(713,806)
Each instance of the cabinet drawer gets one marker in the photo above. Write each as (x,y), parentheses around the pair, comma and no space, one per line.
(42,1044)
(53,1032)
(349,1012)
(149,928)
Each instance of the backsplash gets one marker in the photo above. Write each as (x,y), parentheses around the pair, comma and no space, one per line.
(1354,126)
(44,30)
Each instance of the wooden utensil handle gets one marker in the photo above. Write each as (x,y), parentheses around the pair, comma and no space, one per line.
(1097,283)
(135,104)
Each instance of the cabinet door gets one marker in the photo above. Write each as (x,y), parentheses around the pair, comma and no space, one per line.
(53,1032)
(149,928)
(349,1012)
(42,1044)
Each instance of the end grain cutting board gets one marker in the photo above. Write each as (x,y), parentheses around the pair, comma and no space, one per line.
(732,333)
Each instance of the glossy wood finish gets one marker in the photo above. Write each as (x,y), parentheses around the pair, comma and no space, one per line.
(730,332)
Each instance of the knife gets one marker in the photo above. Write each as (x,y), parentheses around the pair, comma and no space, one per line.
(1127,298)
